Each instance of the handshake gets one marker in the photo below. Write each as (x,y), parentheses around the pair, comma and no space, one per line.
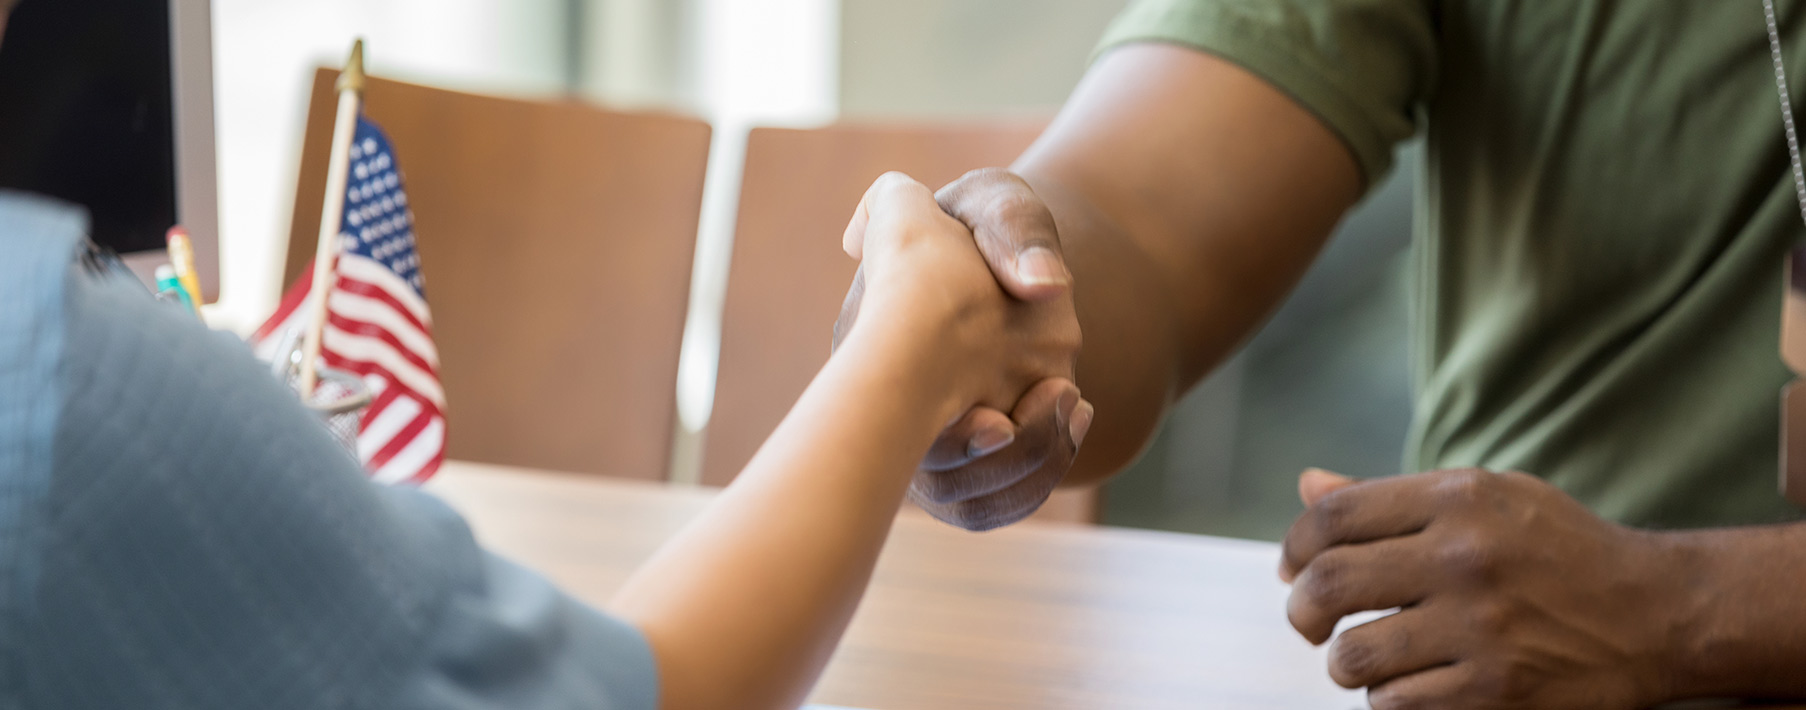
(969,290)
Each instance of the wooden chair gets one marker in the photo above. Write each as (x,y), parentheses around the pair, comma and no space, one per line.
(556,240)
(789,275)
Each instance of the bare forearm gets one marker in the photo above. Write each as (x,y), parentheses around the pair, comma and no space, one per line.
(743,608)
(1740,612)
(1190,197)
(1130,366)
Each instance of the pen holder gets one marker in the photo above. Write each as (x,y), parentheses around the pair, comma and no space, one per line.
(339,397)
(339,400)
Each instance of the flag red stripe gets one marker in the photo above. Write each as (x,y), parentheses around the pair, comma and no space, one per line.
(371,367)
(372,330)
(401,439)
(378,404)
(297,294)
(427,470)
(370,290)
(365,367)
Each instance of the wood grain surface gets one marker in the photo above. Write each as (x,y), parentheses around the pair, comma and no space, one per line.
(1040,615)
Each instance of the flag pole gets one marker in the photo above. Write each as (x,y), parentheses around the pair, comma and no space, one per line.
(351,88)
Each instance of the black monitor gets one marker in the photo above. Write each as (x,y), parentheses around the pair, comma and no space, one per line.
(109,104)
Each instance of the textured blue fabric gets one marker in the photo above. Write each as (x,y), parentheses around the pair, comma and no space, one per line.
(176,532)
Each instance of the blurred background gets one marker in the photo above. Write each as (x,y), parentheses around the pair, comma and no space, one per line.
(1326,383)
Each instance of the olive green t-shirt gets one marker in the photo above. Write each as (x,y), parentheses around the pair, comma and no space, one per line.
(1602,218)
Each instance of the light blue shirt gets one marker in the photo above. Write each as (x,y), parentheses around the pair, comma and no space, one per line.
(176,532)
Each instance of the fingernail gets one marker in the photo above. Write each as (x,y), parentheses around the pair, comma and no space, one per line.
(1039,266)
(989,441)
(1081,422)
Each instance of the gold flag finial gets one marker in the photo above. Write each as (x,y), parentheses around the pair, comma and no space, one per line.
(352,79)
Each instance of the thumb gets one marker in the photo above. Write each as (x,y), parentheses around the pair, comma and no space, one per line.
(1315,483)
(1014,229)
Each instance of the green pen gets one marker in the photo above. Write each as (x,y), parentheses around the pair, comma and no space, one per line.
(170,286)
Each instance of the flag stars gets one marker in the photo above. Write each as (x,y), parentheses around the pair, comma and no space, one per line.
(377,222)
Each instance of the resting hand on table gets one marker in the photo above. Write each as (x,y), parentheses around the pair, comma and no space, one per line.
(988,468)
(1513,594)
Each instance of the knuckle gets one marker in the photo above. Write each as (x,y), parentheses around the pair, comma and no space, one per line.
(1018,207)
(954,514)
(1466,485)
(896,186)
(956,196)
(1492,619)
(1293,549)
(1469,557)
(988,177)
(945,487)
(1068,337)
(1325,581)
(1518,480)
(989,513)
(1333,515)
(955,504)
(895,179)
(937,488)
(1352,662)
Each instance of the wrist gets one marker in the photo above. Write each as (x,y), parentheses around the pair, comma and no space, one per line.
(1688,657)
(911,351)
(1738,620)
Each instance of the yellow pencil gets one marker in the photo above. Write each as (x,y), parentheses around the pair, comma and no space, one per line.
(181,256)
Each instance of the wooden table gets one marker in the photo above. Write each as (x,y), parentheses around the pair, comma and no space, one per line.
(1039,615)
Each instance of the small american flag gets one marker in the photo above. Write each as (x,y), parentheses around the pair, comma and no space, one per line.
(377,324)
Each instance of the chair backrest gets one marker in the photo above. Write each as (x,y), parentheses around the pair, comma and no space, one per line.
(789,275)
(556,241)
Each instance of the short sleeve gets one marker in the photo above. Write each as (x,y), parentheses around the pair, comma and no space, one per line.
(1364,67)
(204,544)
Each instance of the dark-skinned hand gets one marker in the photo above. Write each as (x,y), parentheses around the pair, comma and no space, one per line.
(1510,593)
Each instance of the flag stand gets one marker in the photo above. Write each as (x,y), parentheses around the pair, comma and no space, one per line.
(375,382)
(332,213)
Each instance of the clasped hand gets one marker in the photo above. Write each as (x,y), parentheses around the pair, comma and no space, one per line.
(989,469)
(1510,593)
(924,282)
